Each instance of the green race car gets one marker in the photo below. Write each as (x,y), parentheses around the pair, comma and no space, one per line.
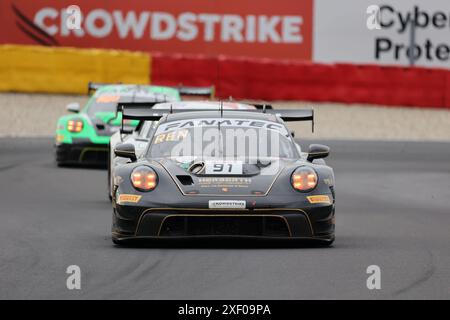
(83,137)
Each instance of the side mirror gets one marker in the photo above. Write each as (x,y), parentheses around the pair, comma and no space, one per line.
(293,133)
(125,150)
(318,151)
(73,107)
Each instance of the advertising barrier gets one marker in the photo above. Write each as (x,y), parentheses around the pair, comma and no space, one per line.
(68,70)
(324,31)
(267,79)
(353,31)
(254,28)
(314,50)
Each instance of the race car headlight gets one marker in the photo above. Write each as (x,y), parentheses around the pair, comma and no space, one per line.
(75,125)
(144,178)
(304,179)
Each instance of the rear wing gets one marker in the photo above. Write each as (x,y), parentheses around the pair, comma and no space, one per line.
(94,86)
(133,112)
(124,107)
(184,91)
(121,106)
(291,115)
(197,91)
(261,106)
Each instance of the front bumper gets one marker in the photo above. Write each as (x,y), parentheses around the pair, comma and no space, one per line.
(82,152)
(132,223)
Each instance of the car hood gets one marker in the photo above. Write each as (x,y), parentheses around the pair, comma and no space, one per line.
(256,179)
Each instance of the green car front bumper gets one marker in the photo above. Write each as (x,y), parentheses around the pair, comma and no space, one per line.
(82,151)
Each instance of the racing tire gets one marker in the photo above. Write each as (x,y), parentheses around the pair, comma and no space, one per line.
(325,243)
(117,242)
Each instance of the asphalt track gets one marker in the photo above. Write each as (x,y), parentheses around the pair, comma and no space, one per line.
(393,210)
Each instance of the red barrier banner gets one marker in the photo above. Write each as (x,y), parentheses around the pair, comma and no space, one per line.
(252,28)
(447,91)
(271,80)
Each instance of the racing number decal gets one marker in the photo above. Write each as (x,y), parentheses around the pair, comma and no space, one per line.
(220,167)
(223,168)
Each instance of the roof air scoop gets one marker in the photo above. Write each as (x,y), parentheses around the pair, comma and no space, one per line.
(197,167)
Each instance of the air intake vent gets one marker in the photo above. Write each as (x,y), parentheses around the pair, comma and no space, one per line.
(185,180)
(100,126)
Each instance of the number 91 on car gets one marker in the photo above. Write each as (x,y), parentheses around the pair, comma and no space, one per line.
(223,168)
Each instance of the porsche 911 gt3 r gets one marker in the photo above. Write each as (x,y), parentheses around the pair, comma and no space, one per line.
(83,137)
(140,137)
(223,174)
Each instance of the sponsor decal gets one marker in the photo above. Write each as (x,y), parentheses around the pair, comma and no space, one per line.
(399,22)
(221,122)
(210,182)
(132,198)
(394,32)
(106,98)
(171,136)
(227,204)
(319,199)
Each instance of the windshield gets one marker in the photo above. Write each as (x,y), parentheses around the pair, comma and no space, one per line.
(101,107)
(107,102)
(222,138)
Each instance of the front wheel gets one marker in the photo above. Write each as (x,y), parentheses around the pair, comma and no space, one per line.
(325,243)
(61,156)
(117,242)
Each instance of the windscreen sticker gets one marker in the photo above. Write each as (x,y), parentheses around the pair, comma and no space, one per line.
(171,136)
(107,98)
(215,122)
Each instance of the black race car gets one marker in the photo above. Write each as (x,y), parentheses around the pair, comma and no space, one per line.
(222,173)
(140,137)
